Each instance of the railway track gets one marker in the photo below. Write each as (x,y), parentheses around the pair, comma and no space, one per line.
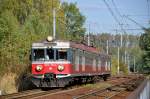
(111,92)
(28,94)
(107,92)
(122,88)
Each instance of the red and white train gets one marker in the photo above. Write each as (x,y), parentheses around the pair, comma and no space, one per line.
(59,63)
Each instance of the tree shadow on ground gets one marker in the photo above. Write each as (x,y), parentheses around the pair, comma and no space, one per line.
(23,83)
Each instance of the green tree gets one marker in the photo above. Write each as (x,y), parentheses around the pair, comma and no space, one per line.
(25,21)
(9,31)
(21,23)
(145,46)
(74,21)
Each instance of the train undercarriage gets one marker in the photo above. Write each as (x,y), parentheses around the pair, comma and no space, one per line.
(50,80)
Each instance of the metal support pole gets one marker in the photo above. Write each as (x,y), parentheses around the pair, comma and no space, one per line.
(107,47)
(128,63)
(118,61)
(134,63)
(121,40)
(54,23)
(89,36)
(125,58)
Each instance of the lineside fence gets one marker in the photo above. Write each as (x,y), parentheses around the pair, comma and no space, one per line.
(142,92)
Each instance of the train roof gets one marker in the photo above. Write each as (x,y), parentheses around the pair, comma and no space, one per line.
(64,44)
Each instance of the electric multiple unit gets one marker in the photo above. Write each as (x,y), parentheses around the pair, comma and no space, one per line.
(59,63)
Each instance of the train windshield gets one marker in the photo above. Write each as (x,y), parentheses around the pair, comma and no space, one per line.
(49,54)
(38,55)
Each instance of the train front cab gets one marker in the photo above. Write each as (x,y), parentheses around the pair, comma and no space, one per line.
(51,67)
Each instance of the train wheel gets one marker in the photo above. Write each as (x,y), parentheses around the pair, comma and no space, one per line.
(105,78)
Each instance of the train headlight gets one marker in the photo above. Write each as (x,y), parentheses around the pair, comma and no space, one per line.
(49,38)
(39,68)
(60,68)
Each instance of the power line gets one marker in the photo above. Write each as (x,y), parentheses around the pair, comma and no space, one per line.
(116,19)
(130,18)
(112,13)
(139,15)
(118,12)
(114,16)
(116,8)
(130,29)
(135,22)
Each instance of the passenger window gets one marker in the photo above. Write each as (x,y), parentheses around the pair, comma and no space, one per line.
(61,54)
(70,57)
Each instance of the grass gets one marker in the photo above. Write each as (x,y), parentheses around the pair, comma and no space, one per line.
(7,83)
(98,85)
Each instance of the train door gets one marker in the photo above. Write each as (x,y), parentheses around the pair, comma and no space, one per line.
(83,61)
(94,63)
(106,65)
(99,64)
(75,59)
(109,65)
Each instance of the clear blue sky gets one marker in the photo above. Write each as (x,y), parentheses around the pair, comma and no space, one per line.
(101,20)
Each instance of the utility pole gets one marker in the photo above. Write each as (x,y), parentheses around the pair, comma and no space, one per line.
(118,61)
(134,63)
(125,49)
(107,47)
(89,35)
(54,23)
(128,64)
(118,39)
(114,41)
(54,20)
(121,39)
(118,67)
(125,59)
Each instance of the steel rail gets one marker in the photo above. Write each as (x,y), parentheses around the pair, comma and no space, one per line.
(122,87)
